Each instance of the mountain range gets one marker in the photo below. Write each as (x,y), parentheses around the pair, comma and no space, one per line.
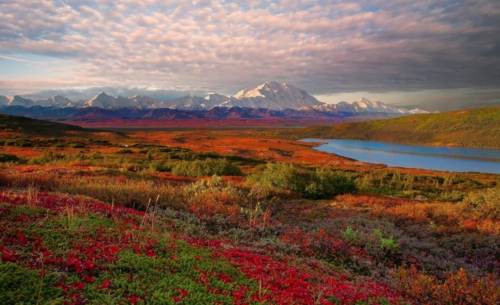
(268,100)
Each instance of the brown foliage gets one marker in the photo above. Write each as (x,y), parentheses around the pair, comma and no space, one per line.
(458,288)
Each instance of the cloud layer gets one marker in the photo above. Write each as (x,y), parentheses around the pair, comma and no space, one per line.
(323,46)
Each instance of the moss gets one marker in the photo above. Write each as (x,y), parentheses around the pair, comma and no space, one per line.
(22,286)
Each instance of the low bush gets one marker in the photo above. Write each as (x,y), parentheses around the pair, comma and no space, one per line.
(20,142)
(446,187)
(208,167)
(325,183)
(485,204)
(212,197)
(9,158)
(47,157)
(458,288)
(19,285)
(117,189)
(127,192)
(125,151)
(280,175)
(318,184)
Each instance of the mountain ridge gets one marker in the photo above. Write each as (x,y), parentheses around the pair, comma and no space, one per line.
(270,95)
(217,113)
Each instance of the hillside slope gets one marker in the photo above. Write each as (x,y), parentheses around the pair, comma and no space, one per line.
(478,127)
(33,126)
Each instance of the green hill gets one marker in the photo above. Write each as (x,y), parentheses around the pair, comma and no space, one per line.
(479,127)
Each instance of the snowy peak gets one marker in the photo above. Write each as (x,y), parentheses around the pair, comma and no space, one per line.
(102,100)
(105,101)
(57,101)
(365,106)
(273,95)
(270,95)
(4,100)
(21,101)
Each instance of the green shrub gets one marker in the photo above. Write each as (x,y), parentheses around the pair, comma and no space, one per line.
(22,286)
(19,142)
(387,243)
(325,183)
(321,183)
(160,166)
(77,145)
(125,151)
(280,175)
(47,157)
(208,167)
(9,158)
(484,203)
(350,234)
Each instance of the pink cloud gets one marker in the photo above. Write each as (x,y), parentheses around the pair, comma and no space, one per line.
(330,45)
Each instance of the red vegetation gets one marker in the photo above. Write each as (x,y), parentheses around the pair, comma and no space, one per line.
(195,123)
(279,281)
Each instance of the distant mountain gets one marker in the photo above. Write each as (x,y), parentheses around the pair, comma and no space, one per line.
(21,101)
(269,95)
(272,95)
(57,101)
(478,127)
(365,106)
(216,113)
(82,95)
(4,101)
(104,101)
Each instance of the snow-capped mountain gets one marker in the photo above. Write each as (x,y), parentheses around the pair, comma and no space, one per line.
(185,103)
(4,100)
(57,101)
(104,101)
(272,95)
(269,95)
(20,101)
(364,106)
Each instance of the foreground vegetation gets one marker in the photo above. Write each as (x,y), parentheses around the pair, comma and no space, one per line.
(123,219)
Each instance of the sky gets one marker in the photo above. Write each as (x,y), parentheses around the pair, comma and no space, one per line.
(438,52)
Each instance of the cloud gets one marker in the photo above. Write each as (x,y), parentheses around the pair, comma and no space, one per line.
(323,46)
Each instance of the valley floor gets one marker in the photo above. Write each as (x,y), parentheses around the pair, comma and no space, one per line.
(236,217)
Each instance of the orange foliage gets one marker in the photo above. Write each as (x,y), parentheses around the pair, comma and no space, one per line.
(371,201)
(21,152)
(210,204)
(451,217)
(246,143)
(458,288)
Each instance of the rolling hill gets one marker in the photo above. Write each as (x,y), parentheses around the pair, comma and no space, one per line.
(479,127)
(35,127)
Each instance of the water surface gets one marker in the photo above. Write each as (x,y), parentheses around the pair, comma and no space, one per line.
(455,159)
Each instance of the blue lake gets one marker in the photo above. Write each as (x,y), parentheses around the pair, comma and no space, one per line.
(454,159)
